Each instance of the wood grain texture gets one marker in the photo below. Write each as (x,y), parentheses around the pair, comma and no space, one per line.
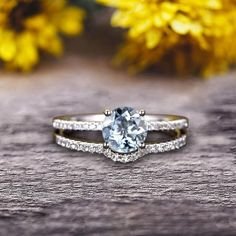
(47,190)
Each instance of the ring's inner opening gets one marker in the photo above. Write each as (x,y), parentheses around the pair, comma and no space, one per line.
(96,136)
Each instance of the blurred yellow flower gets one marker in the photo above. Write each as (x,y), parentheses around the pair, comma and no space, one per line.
(185,36)
(30,26)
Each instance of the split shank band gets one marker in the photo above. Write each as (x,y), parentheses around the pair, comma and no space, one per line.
(124,132)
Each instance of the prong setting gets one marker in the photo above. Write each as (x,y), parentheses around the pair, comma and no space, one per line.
(107,112)
(142,145)
(106,145)
(142,112)
(124,130)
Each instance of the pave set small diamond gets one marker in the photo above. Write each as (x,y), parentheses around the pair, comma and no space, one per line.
(166,125)
(97,125)
(124,132)
(77,125)
(79,145)
(124,158)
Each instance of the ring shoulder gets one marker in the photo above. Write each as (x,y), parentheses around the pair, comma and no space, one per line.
(167,125)
(77,125)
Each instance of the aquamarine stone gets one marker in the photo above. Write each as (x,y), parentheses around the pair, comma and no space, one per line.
(124,130)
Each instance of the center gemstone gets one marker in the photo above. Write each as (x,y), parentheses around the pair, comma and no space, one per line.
(124,130)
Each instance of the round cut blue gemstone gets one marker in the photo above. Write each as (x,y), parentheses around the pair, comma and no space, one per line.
(124,130)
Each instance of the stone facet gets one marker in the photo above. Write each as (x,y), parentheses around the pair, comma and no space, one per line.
(124,130)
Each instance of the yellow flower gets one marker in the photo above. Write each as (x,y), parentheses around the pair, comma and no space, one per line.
(186,36)
(28,27)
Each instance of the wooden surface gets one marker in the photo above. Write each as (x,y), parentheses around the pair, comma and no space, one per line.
(47,190)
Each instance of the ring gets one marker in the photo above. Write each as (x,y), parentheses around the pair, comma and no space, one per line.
(125,133)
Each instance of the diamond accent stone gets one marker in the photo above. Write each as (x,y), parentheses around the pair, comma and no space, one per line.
(124,130)
(118,157)
(98,125)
